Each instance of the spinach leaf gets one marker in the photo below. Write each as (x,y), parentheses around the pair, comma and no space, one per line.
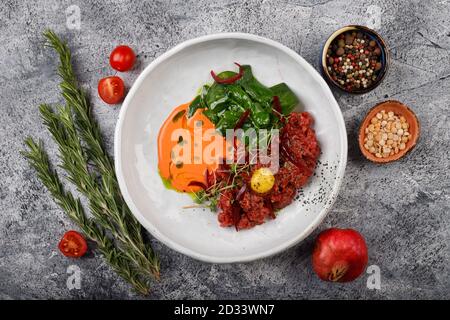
(241,98)
(288,99)
(238,95)
(198,102)
(195,104)
(216,96)
(211,115)
(229,119)
(224,104)
(226,74)
(254,88)
(262,120)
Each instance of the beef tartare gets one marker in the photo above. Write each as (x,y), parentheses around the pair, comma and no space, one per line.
(299,150)
(207,148)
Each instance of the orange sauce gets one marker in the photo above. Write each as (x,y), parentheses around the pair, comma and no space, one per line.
(187,148)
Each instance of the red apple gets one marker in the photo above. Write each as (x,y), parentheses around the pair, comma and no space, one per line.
(340,255)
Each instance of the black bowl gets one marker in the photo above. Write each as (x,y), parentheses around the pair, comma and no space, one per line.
(385,57)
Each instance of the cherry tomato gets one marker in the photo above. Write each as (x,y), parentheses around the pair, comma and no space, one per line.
(73,244)
(111,89)
(122,58)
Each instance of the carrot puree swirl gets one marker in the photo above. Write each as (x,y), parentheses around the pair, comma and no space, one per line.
(197,134)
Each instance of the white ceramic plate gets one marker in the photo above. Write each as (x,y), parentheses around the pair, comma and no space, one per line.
(173,79)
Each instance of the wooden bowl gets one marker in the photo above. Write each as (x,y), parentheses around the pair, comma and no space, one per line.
(401,110)
(385,57)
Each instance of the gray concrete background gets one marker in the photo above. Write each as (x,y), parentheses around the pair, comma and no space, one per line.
(401,208)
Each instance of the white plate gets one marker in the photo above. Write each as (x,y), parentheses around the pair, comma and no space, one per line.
(173,79)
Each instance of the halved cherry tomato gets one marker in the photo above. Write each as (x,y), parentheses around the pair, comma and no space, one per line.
(73,244)
(122,58)
(111,89)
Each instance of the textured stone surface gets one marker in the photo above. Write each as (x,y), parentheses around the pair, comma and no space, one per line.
(401,208)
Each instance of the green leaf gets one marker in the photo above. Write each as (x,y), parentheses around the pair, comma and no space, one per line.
(226,102)
(255,89)
(196,104)
(216,97)
(262,119)
(288,99)
(199,101)
(229,119)
(226,74)
(211,115)
(241,98)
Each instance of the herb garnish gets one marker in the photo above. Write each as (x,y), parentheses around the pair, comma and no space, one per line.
(91,170)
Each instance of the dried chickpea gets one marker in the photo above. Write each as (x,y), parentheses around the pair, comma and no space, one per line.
(386,134)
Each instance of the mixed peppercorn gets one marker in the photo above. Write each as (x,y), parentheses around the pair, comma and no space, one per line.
(354,60)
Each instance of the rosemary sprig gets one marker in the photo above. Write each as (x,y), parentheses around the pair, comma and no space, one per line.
(115,257)
(74,162)
(121,222)
(89,168)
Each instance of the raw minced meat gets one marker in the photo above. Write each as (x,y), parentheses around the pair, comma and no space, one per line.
(298,157)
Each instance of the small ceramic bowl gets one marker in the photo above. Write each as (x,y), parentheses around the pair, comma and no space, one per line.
(401,110)
(385,58)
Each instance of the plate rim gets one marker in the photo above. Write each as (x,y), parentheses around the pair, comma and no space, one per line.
(232,259)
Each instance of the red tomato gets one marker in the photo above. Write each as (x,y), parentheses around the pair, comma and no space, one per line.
(111,89)
(122,58)
(73,244)
(340,255)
